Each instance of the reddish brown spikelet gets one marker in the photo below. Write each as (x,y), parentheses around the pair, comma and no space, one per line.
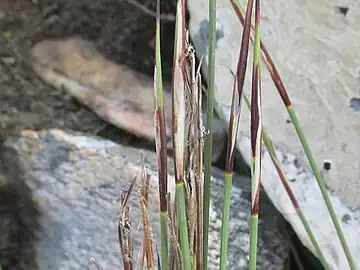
(268,61)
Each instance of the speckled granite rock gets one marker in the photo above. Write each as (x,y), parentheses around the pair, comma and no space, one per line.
(315,46)
(77,181)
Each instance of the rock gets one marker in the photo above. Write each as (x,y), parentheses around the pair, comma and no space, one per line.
(115,92)
(76,181)
(317,52)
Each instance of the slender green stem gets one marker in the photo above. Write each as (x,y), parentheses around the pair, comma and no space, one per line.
(164,240)
(182,224)
(208,137)
(225,221)
(293,200)
(322,186)
(254,220)
(230,155)
(256,134)
(161,147)
(285,182)
(312,238)
(283,93)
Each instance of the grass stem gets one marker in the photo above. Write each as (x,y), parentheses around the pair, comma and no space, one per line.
(182,224)
(288,189)
(286,100)
(225,220)
(230,156)
(322,186)
(161,145)
(208,137)
(256,135)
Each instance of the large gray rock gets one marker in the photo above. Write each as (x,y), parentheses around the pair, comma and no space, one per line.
(76,180)
(316,49)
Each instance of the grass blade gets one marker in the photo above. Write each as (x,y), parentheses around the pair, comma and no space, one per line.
(175,254)
(271,150)
(144,202)
(287,102)
(321,184)
(256,127)
(124,229)
(199,184)
(208,137)
(179,130)
(161,144)
(233,130)
(95,263)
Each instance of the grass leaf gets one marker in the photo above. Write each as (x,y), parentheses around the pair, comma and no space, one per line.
(161,144)
(291,111)
(256,127)
(179,131)
(208,137)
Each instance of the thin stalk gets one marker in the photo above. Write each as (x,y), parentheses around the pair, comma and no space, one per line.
(286,100)
(199,185)
(175,253)
(254,221)
(322,186)
(225,220)
(256,132)
(233,128)
(271,150)
(182,224)
(178,129)
(144,202)
(124,229)
(208,137)
(161,145)
(233,131)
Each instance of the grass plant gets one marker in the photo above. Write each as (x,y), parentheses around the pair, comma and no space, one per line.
(184,221)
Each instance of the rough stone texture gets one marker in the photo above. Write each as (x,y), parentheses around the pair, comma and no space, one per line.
(77,181)
(315,46)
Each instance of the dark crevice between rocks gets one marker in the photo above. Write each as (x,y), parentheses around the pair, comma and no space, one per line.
(19,217)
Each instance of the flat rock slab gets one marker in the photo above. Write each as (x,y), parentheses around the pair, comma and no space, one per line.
(315,45)
(118,94)
(77,181)
(115,92)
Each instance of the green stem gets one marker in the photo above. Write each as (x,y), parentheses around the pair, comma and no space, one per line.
(225,220)
(164,240)
(254,220)
(182,223)
(312,238)
(285,182)
(208,137)
(322,186)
